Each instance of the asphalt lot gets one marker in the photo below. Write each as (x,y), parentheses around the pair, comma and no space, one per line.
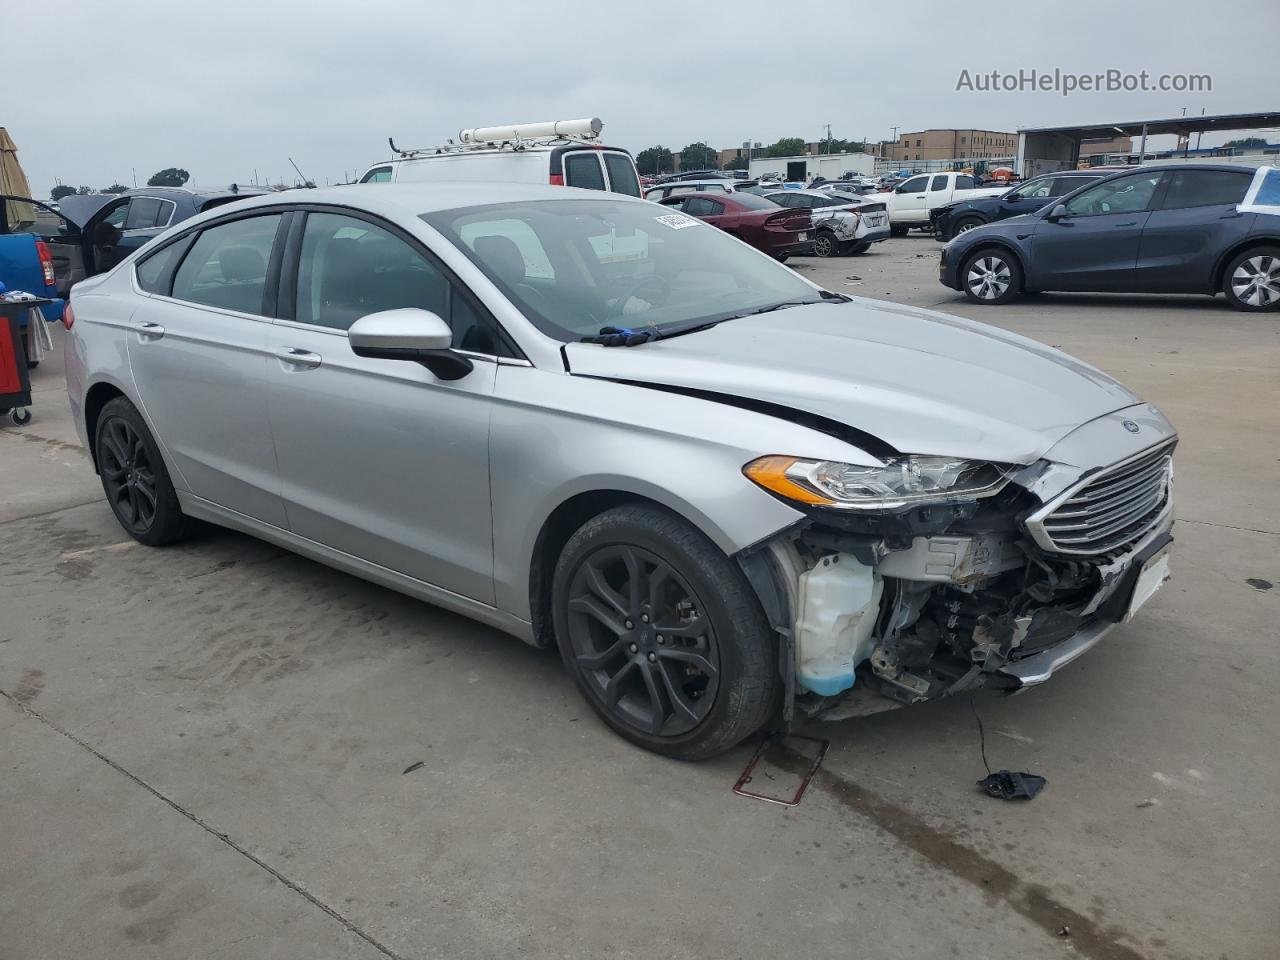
(201,748)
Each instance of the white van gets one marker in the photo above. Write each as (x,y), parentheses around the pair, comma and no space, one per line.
(561,152)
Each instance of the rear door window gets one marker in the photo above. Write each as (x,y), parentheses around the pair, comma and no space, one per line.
(144,213)
(622,174)
(583,170)
(939,183)
(226,267)
(703,207)
(965,183)
(1205,188)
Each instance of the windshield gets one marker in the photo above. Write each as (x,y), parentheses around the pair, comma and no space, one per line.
(577,266)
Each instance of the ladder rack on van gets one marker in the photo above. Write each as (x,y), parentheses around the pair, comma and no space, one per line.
(520,136)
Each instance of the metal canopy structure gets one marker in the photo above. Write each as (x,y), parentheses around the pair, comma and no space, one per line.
(1041,149)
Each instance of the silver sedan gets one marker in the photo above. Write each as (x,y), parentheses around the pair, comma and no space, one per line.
(730,497)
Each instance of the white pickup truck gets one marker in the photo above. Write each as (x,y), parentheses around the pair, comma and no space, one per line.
(909,202)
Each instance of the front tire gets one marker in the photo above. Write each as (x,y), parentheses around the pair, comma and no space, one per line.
(860,246)
(991,276)
(135,479)
(1251,281)
(965,225)
(662,634)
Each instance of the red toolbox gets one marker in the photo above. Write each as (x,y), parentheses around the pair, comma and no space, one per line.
(15,385)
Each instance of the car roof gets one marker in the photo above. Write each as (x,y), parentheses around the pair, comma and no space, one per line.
(191,192)
(419,197)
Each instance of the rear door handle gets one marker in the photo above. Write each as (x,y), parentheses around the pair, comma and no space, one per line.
(299,358)
(1131,223)
(150,331)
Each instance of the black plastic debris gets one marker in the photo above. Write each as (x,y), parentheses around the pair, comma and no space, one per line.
(1007,785)
(412,767)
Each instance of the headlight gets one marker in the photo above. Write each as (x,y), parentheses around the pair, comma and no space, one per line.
(900,482)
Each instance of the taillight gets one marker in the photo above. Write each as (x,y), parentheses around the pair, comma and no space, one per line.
(46,262)
(68,315)
(557,179)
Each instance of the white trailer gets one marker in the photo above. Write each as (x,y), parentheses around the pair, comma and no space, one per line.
(804,168)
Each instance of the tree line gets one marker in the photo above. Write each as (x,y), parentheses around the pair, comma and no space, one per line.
(168,177)
(655,160)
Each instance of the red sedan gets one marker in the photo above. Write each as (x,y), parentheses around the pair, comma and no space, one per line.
(765,225)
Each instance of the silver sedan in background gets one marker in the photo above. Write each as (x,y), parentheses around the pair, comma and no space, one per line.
(730,497)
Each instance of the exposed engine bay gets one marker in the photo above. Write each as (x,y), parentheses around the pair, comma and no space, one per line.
(897,608)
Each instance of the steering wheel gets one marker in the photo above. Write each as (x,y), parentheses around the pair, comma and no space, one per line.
(662,289)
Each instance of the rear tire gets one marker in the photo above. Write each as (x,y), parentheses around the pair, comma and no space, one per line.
(662,634)
(135,479)
(825,244)
(1251,281)
(991,275)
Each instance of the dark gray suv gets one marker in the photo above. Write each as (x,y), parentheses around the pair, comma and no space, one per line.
(1190,228)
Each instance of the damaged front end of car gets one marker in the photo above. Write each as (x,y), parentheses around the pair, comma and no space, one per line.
(930,576)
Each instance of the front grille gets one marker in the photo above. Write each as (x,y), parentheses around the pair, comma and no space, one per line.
(1114,509)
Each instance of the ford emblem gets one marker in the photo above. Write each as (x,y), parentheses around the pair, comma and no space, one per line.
(1130,426)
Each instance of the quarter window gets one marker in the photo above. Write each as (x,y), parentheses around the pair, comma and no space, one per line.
(377,175)
(1205,188)
(226,267)
(153,271)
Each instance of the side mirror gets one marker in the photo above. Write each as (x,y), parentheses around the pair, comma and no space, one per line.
(1058,212)
(409,333)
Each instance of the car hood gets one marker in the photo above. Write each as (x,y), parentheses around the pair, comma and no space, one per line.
(920,381)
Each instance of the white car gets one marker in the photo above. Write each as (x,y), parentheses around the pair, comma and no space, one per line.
(564,153)
(842,223)
(911,202)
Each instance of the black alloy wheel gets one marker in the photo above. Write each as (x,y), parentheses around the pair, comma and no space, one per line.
(640,638)
(127,475)
(134,477)
(662,633)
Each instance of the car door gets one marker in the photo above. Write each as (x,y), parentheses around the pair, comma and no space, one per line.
(380,459)
(1095,246)
(910,199)
(940,193)
(1195,220)
(198,354)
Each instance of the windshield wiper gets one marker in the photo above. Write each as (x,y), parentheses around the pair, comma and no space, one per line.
(629,337)
(622,336)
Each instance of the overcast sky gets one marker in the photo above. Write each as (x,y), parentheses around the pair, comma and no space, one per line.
(93,91)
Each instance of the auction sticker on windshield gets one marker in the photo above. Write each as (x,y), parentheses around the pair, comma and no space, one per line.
(676,222)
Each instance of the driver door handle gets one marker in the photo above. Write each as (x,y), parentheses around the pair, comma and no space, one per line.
(299,358)
(1128,223)
(149,331)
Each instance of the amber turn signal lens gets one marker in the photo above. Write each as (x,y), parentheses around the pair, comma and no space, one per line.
(771,473)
